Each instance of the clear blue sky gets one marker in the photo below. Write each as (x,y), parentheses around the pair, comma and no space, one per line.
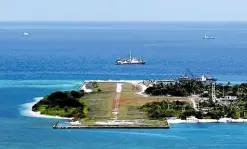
(123,10)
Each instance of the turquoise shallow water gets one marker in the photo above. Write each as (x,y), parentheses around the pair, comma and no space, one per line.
(18,131)
(60,56)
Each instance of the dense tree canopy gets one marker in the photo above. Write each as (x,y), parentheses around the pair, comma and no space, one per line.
(176,89)
(187,88)
(208,110)
(163,109)
(64,104)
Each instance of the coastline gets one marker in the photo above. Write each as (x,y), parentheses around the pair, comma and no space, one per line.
(26,110)
(27,107)
(133,82)
(223,120)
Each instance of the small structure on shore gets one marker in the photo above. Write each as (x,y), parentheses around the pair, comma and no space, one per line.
(192,119)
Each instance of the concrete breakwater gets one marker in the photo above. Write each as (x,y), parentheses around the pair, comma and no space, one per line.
(56,126)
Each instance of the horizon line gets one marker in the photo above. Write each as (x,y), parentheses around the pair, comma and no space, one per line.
(80,21)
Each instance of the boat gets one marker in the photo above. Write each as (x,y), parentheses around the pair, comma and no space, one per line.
(205,78)
(25,34)
(184,78)
(130,60)
(208,37)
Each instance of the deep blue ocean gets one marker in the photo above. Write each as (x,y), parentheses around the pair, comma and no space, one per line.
(59,56)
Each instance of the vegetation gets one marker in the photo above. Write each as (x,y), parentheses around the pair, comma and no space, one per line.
(234,110)
(64,104)
(239,90)
(99,102)
(93,86)
(163,109)
(208,109)
(181,89)
(187,88)
(76,104)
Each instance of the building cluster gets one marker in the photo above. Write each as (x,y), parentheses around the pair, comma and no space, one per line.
(226,100)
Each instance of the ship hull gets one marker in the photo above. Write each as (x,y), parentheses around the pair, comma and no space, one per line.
(140,63)
(209,38)
(130,61)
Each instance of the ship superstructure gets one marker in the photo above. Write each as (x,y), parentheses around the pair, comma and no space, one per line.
(130,60)
(207,37)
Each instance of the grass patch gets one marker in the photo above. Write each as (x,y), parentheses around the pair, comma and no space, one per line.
(100,103)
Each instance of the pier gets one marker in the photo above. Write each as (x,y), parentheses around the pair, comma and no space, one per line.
(55,126)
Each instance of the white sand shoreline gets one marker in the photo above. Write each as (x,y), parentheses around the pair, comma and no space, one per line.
(27,107)
(223,120)
(27,110)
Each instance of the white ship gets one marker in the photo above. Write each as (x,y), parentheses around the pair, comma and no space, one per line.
(25,34)
(130,60)
(207,37)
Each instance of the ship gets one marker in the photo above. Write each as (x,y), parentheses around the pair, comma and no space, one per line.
(205,78)
(25,34)
(130,60)
(184,78)
(208,37)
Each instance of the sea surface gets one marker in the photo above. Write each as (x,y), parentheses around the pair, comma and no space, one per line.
(59,56)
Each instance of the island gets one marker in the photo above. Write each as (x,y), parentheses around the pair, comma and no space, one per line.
(208,101)
(101,104)
(146,103)
(63,104)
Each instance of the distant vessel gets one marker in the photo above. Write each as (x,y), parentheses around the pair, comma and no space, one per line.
(130,60)
(25,34)
(207,37)
(204,78)
(184,78)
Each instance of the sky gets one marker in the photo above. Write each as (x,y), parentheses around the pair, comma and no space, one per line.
(123,10)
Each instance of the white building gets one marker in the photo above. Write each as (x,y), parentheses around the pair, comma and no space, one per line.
(230,98)
(192,119)
(227,100)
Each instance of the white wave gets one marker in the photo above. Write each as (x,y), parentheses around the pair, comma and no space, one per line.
(26,110)
(68,84)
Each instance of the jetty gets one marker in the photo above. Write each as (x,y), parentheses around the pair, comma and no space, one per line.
(56,126)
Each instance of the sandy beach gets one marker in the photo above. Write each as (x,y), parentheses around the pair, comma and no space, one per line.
(143,87)
(222,120)
(26,110)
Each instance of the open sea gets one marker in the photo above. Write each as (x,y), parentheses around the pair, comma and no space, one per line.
(59,56)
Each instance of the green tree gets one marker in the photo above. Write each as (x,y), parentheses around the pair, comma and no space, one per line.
(68,104)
